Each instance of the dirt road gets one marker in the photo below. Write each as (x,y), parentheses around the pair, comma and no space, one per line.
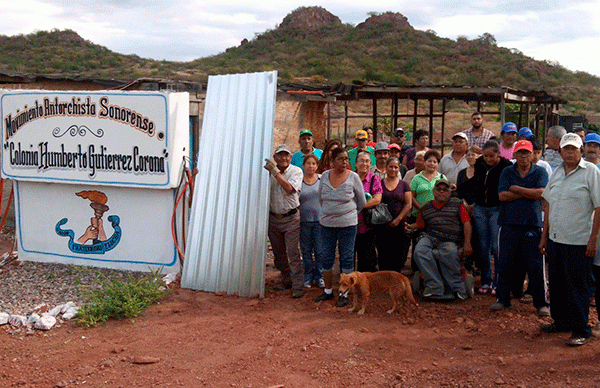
(198,339)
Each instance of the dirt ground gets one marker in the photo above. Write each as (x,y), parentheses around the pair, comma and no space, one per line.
(199,339)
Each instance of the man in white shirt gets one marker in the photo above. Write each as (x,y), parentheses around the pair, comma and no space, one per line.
(452,163)
(284,219)
(570,239)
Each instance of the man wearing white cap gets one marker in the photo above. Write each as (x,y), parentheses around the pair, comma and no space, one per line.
(284,219)
(570,238)
(452,163)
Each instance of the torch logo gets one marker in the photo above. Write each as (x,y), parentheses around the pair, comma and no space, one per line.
(94,233)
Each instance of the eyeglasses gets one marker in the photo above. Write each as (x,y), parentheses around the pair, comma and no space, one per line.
(442,189)
(343,159)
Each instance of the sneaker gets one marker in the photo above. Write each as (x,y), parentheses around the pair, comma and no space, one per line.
(596,330)
(342,301)
(577,341)
(321,283)
(324,296)
(307,284)
(282,286)
(498,307)
(442,298)
(543,311)
(462,296)
(297,294)
(493,291)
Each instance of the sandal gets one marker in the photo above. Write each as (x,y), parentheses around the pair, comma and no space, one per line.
(484,289)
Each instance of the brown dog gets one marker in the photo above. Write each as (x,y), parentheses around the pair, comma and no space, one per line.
(363,284)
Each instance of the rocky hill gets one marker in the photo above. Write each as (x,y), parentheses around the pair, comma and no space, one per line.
(313,45)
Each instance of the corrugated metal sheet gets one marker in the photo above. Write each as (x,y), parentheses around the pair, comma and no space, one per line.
(227,238)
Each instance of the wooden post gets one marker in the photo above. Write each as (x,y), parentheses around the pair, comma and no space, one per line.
(416,111)
(443,124)
(345,121)
(394,113)
(374,119)
(431,123)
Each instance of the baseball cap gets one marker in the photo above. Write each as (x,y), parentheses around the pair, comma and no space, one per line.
(525,132)
(305,132)
(592,138)
(394,145)
(399,132)
(442,182)
(571,139)
(381,146)
(461,135)
(509,127)
(361,134)
(523,145)
(282,148)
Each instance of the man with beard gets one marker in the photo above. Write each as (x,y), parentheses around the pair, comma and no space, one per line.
(477,134)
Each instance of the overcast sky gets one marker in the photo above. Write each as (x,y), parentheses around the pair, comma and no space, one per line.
(567,31)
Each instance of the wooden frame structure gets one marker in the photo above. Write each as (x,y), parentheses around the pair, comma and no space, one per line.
(539,103)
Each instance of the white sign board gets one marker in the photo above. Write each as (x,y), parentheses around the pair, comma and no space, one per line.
(99,138)
(101,226)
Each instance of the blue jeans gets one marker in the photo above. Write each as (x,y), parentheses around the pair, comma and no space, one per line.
(312,251)
(345,237)
(486,222)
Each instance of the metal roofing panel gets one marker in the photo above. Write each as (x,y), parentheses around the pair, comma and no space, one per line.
(227,237)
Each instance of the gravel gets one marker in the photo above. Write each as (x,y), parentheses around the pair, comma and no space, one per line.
(25,285)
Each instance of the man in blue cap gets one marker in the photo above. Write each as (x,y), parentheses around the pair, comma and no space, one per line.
(509,137)
(306,147)
(526,134)
(591,147)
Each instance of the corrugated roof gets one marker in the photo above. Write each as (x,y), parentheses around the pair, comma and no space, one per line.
(226,246)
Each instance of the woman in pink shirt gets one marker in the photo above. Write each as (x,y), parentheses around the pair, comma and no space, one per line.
(509,137)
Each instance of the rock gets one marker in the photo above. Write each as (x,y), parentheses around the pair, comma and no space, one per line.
(4,318)
(67,306)
(106,363)
(499,381)
(17,320)
(46,322)
(56,310)
(61,384)
(33,318)
(70,313)
(501,360)
(169,278)
(145,360)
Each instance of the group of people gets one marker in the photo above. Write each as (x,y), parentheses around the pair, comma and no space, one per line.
(494,204)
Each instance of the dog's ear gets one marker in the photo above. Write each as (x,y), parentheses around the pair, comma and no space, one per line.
(353,278)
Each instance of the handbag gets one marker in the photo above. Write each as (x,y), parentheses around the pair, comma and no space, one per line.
(379,215)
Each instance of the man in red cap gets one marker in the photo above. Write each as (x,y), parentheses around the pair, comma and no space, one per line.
(520,189)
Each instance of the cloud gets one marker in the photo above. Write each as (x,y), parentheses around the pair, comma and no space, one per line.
(182,30)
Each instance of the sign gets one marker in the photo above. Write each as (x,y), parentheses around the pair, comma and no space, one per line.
(98,138)
(101,226)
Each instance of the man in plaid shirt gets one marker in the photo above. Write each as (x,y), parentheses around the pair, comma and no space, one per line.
(477,134)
